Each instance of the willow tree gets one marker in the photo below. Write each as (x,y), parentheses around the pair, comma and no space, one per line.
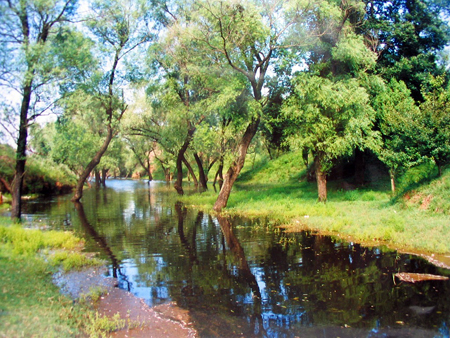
(246,37)
(329,107)
(118,28)
(39,52)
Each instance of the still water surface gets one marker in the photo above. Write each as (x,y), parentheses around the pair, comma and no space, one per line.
(249,278)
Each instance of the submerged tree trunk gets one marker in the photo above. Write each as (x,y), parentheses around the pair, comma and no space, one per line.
(17,184)
(321,178)
(201,173)
(91,165)
(104,173)
(236,166)
(98,179)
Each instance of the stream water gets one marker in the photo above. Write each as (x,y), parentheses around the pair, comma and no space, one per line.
(249,278)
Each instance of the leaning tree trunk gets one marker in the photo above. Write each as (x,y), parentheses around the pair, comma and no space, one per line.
(91,165)
(201,173)
(236,166)
(321,178)
(16,187)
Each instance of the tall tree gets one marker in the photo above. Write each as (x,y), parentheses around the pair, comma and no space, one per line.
(118,28)
(38,52)
(329,107)
(246,36)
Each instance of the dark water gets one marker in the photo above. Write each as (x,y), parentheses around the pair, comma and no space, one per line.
(251,279)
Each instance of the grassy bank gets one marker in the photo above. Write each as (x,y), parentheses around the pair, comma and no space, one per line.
(415,219)
(30,304)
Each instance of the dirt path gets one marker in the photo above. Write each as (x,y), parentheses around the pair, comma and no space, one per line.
(167,320)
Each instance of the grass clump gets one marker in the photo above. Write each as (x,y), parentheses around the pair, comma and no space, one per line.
(72,260)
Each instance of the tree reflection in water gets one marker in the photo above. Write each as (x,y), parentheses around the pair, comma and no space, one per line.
(246,278)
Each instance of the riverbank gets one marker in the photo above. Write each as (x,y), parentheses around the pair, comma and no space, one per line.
(414,220)
(36,265)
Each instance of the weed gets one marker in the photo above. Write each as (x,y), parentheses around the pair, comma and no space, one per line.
(100,326)
(72,260)
(94,294)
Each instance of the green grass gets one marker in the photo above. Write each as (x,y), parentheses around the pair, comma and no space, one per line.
(368,215)
(30,304)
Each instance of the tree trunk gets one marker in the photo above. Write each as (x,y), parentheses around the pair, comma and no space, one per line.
(236,166)
(191,171)
(219,174)
(91,165)
(104,172)
(178,185)
(321,178)
(439,166)
(149,169)
(16,187)
(97,178)
(392,176)
(201,173)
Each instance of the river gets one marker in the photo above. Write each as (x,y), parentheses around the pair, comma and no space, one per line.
(242,278)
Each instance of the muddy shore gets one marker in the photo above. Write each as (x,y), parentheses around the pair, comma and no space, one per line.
(167,320)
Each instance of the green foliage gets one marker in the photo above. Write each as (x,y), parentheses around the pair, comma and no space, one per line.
(43,176)
(329,118)
(406,35)
(432,128)
(396,115)
(6,162)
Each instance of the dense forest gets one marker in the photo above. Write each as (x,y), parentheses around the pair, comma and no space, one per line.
(175,89)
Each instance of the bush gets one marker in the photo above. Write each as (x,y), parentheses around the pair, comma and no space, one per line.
(42,175)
